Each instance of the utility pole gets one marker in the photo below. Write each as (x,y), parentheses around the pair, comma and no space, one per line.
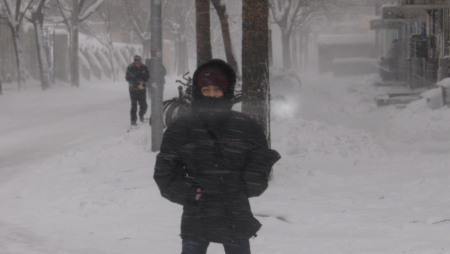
(74,71)
(157,83)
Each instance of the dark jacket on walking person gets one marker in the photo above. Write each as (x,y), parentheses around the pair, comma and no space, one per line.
(136,75)
(212,161)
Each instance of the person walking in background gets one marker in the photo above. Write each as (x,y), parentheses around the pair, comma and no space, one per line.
(160,70)
(211,161)
(136,75)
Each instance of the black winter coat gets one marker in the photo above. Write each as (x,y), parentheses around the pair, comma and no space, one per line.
(230,164)
(222,152)
(134,75)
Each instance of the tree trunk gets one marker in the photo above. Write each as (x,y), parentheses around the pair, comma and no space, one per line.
(255,62)
(146,48)
(74,69)
(18,53)
(294,50)
(110,44)
(181,54)
(270,48)
(223,17)
(286,42)
(14,18)
(111,60)
(304,50)
(203,34)
(38,21)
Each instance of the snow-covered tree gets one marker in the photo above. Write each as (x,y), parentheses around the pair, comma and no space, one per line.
(289,15)
(139,18)
(14,12)
(179,21)
(73,12)
(105,38)
(223,17)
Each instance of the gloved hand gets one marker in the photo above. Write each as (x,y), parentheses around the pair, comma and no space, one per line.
(141,86)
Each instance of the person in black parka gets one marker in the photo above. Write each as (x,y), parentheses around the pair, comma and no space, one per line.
(136,75)
(212,160)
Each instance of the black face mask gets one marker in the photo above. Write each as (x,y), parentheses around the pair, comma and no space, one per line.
(211,104)
(213,112)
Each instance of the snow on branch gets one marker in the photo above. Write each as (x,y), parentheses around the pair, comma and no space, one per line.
(307,14)
(292,15)
(90,10)
(141,27)
(65,12)
(278,12)
(15,18)
(3,14)
(8,7)
(24,11)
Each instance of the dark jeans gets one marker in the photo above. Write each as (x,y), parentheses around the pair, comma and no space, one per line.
(200,247)
(136,97)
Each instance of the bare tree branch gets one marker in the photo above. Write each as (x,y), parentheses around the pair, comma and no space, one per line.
(22,15)
(8,8)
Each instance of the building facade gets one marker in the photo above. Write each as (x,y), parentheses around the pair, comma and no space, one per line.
(421,28)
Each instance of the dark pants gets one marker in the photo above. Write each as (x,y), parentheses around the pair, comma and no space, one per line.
(200,247)
(140,97)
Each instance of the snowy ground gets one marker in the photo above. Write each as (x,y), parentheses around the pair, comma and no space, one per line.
(354,178)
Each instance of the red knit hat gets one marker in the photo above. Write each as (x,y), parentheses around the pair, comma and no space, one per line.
(212,76)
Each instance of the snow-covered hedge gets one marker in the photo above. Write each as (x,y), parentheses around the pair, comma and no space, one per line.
(97,57)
